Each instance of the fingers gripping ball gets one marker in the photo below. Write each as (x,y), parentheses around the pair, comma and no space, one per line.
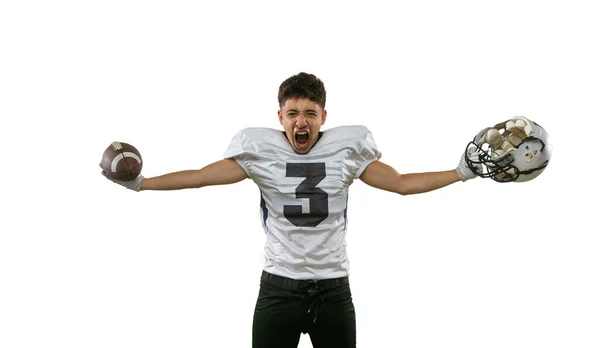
(121,161)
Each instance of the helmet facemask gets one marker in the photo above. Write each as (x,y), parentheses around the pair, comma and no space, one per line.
(514,150)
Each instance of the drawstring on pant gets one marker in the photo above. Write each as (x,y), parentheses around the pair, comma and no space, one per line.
(316,295)
(308,290)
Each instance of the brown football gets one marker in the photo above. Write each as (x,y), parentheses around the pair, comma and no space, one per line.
(121,161)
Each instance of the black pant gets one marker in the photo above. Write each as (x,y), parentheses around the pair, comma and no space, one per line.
(286,307)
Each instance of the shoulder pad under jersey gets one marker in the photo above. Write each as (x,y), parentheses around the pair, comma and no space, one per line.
(359,139)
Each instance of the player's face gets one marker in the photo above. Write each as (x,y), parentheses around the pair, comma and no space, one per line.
(302,120)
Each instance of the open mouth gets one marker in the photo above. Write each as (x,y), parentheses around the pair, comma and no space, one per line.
(301,139)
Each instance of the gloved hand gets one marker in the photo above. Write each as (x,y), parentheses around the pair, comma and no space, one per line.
(464,171)
(132,185)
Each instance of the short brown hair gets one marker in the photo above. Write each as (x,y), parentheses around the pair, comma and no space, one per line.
(303,85)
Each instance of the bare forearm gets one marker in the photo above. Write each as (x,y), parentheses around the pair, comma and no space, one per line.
(172,181)
(425,182)
(384,177)
(219,173)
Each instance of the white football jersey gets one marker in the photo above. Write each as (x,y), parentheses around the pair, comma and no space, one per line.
(304,196)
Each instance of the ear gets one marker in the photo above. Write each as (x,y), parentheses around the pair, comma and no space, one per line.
(280,114)
(324,117)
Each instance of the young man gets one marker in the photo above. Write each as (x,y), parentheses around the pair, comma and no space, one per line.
(304,174)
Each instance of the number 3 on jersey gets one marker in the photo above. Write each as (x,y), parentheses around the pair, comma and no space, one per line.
(313,173)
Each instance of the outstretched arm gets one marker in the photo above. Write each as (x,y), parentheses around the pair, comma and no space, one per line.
(226,171)
(384,177)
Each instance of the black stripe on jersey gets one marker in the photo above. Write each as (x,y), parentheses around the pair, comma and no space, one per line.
(263,207)
(346,214)
(346,217)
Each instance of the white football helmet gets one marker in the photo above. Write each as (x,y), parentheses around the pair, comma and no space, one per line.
(514,150)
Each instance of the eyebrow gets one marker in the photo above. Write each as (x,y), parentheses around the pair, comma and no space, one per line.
(295,110)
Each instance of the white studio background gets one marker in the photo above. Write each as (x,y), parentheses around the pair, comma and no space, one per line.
(86,263)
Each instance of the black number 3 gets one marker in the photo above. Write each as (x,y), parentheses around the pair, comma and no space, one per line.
(317,198)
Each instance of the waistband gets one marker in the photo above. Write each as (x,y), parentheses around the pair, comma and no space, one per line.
(295,285)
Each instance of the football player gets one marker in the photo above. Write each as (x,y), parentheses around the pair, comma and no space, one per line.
(304,175)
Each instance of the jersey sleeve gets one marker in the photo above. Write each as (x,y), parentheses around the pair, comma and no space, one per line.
(367,152)
(240,151)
